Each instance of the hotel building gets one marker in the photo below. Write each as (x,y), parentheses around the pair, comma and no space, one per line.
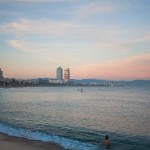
(66,75)
(59,73)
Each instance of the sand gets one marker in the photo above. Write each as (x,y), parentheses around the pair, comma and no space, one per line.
(15,143)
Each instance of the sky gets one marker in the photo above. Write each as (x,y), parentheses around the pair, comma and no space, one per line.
(100,39)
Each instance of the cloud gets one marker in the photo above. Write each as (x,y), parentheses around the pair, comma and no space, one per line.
(21,45)
(40,27)
(95,8)
(90,9)
(136,67)
(40,47)
(127,44)
(34,35)
(102,10)
(33,46)
(59,29)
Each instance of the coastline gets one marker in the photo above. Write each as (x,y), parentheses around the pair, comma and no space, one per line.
(14,143)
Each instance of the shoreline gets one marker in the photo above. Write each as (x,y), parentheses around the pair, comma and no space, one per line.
(14,143)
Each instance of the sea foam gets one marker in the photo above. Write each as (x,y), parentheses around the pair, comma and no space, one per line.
(44,137)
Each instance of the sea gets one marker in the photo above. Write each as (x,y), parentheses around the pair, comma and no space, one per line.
(78,118)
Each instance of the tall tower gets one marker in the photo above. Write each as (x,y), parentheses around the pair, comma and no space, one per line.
(1,73)
(67,75)
(59,73)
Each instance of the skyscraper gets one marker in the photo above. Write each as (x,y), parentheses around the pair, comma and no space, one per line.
(67,75)
(59,73)
(1,73)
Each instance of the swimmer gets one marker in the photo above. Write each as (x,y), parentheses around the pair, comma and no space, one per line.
(106,141)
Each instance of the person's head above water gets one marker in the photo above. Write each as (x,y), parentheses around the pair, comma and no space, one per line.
(106,137)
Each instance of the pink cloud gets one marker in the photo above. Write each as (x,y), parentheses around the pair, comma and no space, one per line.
(137,67)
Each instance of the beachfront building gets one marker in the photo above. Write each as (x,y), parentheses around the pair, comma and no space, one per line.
(55,81)
(66,75)
(1,73)
(59,73)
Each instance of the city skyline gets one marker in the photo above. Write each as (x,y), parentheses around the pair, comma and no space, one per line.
(99,39)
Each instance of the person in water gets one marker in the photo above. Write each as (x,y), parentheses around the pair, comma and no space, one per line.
(106,141)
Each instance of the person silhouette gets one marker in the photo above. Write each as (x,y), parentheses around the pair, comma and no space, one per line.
(107,142)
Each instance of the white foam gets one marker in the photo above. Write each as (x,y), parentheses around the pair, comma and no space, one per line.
(41,136)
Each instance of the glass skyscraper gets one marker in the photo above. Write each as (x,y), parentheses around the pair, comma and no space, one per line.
(59,73)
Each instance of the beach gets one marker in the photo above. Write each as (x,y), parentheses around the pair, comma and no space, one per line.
(16,143)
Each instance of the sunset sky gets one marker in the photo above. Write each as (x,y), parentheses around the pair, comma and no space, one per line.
(102,39)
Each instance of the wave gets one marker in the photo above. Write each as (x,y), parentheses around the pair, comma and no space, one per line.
(44,137)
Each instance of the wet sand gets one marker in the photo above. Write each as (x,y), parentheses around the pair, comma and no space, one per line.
(16,143)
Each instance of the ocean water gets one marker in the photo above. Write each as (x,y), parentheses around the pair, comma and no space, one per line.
(78,120)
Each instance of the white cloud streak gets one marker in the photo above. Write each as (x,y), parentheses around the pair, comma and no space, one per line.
(95,8)
(57,28)
(46,27)
(89,37)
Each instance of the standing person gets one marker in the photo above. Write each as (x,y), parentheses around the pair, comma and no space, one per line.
(106,141)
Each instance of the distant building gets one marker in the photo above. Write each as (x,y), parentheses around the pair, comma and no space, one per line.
(1,73)
(54,81)
(66,75)
(43,81)
(59,73)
